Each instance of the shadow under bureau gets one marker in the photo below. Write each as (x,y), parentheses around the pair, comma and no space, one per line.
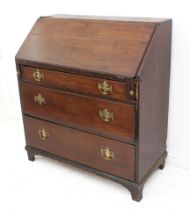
(94,92)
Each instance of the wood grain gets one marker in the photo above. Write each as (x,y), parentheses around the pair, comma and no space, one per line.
(75,54)
(81,147)
(154,97)
(80,111)
(110,47)
(77,83)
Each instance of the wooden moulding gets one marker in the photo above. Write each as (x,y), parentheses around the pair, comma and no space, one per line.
(134,188)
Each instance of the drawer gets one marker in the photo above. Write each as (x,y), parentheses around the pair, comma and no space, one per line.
(78,83)
(108,118)
(98,152)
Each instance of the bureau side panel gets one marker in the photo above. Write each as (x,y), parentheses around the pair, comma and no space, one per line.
(154,76)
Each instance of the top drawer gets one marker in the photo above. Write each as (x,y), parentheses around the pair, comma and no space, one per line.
(78,83)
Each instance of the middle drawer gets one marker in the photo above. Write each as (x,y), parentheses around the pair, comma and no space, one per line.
(111,119)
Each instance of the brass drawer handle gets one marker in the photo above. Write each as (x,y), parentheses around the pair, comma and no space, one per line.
(43,134)
(104,88)
(107,154)
(39,99)
(105,115)
(38,75)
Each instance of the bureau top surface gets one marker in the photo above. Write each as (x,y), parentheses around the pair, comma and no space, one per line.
(104,45)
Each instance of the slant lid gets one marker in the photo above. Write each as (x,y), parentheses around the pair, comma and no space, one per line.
(109,46)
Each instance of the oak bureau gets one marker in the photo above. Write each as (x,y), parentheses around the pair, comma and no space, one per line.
(94,93)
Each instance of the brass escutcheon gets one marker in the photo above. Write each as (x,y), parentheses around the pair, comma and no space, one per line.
(43,134)
(132,93)
(104,88)
(107,154)
(105,115)
(38,75)
(39,99)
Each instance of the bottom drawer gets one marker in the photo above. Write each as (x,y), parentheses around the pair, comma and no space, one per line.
(98,152)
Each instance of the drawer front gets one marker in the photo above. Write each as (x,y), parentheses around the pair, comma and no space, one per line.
(98,152)
(108,118)
(77,83)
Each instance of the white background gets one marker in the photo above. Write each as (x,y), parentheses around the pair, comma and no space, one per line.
(16,19)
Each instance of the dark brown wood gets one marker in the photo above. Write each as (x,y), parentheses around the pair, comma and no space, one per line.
(80,111)
(154,77)
(82,147)
(134,188)
(31,155)
(77,83)
(75,54)
(162,166)
(110,47)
